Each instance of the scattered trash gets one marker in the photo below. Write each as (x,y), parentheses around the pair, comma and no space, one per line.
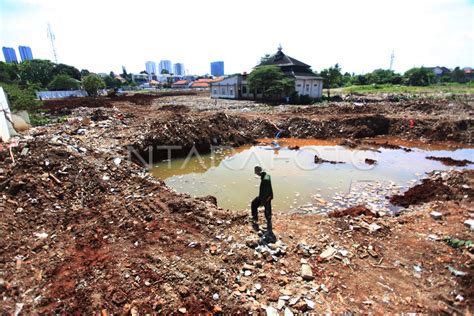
(457,272)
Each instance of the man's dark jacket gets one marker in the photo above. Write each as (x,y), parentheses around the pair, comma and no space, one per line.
(266,191)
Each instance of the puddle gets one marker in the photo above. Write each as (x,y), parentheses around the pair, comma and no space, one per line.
(300,185)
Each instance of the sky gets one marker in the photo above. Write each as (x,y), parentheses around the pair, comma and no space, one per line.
(101,36)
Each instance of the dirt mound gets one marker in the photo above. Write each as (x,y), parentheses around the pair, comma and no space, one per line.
(352,212)
(137,98)
(354,127)
(201,133)
(438,187)
(448,161)
(81,235)
(72,103)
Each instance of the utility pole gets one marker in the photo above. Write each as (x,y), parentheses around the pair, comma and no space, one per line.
(392,57)
(52,38)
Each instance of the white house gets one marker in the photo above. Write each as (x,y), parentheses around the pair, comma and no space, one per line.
(306,82)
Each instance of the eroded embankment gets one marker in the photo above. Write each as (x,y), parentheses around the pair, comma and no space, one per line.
(204,130)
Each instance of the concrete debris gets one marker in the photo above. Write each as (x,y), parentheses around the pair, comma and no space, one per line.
(271,311)
(436,215)
(457,272)
(306,272)
(288,312)
(328,253)
(469,224)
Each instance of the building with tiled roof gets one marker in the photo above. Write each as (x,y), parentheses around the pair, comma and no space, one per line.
(306,82)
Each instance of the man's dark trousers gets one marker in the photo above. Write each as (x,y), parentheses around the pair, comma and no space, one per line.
(268,211)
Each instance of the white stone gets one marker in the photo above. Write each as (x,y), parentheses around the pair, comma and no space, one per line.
(288,312)
(469,223)
(436,215)
(309,303)
(306,272)
(374,227)
(328,253)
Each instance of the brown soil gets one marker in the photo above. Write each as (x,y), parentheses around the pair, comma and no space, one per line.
(448,161)
(437,189)
(352,211)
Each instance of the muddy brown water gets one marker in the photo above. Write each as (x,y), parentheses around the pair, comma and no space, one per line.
(299,183)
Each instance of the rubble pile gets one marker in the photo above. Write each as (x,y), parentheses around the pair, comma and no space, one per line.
(84,232)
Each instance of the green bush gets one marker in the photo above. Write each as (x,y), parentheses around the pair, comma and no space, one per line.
(92,83)
(21,99)
(63,82)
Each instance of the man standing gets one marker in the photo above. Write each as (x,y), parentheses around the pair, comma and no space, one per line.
(264,199)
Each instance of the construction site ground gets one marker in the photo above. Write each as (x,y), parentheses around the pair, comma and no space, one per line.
(86,230)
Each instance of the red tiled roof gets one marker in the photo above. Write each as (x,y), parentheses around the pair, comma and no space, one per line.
(200,85)
(204,80)
(181,82)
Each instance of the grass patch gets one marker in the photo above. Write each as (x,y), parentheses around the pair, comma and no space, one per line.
(456,88)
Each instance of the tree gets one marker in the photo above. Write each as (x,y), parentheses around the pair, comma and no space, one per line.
(111,82)
(164,71)
(71,71)
(85,72)
(36,71)
(265,58)
(8,72)
(381,76)
(64,82)
(21,98)
(271,81)
(332,77)
(419,77)
(458,75)
(92,83)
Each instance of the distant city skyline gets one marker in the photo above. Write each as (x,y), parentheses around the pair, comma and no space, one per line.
(25,53)
(150,67)
(178,69)
(361,36)
(217,68)
(9,55)
(165,64)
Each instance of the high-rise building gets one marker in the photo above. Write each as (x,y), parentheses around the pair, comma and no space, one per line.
(150,67)
(178,69)
(217,68)
(165,64)
(25,53)
(9,54)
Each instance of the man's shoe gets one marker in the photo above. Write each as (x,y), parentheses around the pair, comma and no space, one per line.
(270,238)
(255,227)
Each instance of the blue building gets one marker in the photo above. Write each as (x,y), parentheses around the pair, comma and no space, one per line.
(217,68)
(165,64)
(150,67)
(9,54)
(179,69)
(25,53)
